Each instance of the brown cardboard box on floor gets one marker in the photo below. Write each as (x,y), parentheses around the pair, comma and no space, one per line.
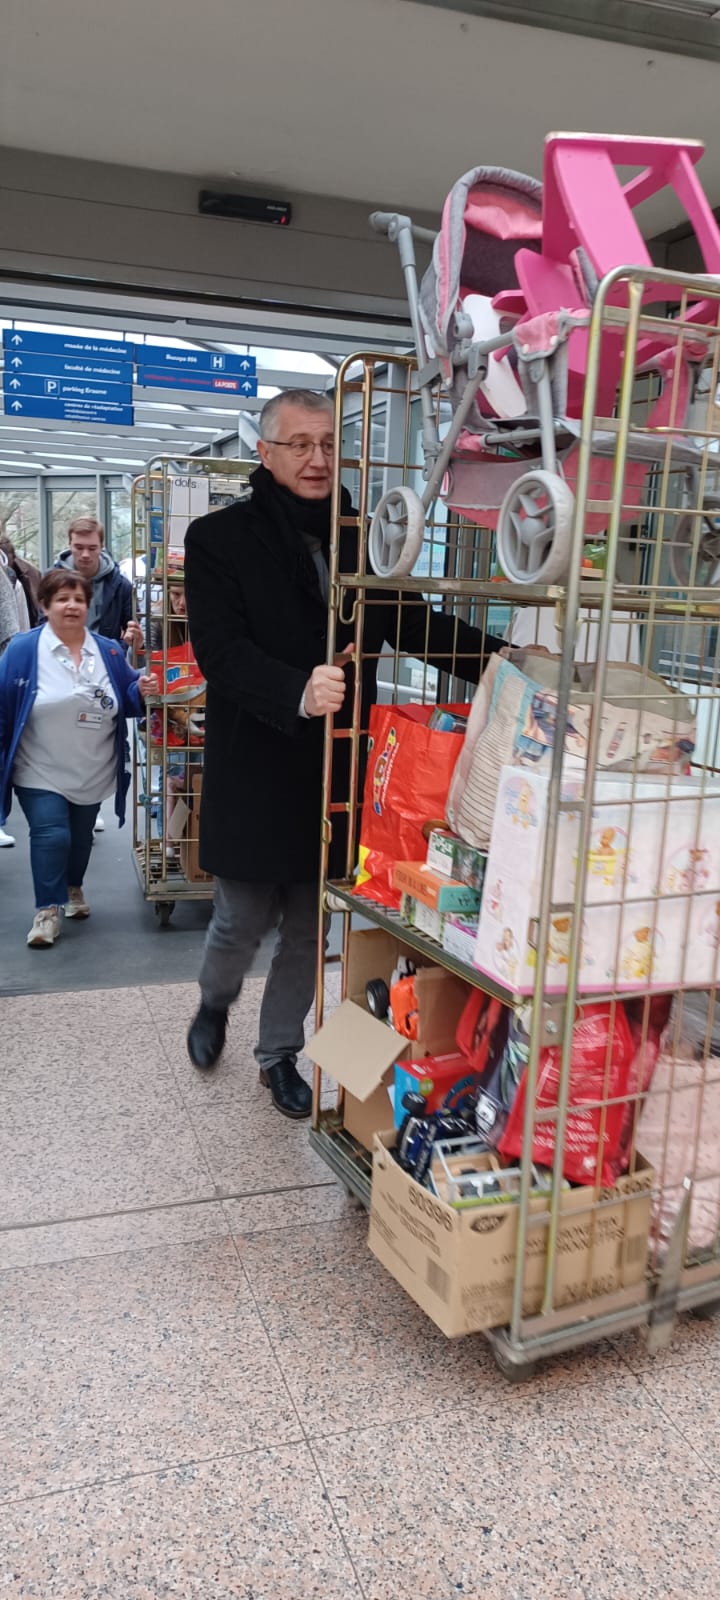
(189,845)
(459,1265)
(359,1052)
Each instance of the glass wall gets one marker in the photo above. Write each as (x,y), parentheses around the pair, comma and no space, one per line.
(65,505)
(118,525)
(20,520)
(37,509)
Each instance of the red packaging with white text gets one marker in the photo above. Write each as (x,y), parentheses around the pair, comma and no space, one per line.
(602,1069)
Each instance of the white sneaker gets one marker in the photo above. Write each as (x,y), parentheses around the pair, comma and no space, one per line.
(77,905)
(6,839)
(45,929)
(99,825)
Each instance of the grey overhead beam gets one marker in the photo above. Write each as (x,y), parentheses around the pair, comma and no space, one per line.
(676,27)
(50,301)
(88,452)
(87,444)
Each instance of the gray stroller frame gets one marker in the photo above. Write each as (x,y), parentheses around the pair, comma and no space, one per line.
(529,499)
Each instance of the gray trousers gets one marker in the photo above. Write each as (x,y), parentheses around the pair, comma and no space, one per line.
(243,913)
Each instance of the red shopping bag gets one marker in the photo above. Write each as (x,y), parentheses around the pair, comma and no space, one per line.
(601,1069)
(407,779)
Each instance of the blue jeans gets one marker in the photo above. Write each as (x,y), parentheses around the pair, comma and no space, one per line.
(61,837)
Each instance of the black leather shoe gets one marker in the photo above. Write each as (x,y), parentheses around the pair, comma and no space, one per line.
(206,1037)
(291,1095)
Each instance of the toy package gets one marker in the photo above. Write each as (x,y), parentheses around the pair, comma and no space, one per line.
(602,1069)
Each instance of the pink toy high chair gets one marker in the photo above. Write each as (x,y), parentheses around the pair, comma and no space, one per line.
(588,207)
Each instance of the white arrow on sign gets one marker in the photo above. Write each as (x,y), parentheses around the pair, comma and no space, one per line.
(17,338)
(14,383)
(16,361)
(16,405)
(244,366)
(246,387)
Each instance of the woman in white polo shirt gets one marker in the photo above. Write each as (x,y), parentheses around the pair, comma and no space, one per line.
(65,695)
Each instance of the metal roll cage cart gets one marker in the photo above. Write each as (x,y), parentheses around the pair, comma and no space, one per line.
(662,576)
(167,750)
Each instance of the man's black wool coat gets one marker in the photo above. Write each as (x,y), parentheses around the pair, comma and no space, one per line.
(258,625)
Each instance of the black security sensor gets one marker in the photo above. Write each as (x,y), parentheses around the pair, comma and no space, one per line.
(244,208)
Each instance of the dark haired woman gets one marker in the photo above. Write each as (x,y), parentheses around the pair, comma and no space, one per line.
(65,694)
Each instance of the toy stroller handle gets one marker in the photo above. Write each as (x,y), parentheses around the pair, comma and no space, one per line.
(391,222)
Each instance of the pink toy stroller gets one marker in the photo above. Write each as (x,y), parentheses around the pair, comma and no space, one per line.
(501,318)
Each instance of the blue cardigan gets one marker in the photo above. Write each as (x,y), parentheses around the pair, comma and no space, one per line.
(18,688)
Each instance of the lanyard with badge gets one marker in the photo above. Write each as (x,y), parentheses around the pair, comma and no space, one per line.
(94,715)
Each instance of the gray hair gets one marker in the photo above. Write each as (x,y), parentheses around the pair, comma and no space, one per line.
(309,399)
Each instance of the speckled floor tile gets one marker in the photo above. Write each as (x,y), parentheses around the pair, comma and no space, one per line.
(521,1496)
(235,1078)
(257,1528)
(348,1339)
(110,1235)
(132,1363)
(53,1031)
(250,1148)
(296,1208)
(689,1396)
(111,1132)
(694,1340)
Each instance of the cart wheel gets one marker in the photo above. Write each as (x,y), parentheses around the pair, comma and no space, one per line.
(701,545)
(163,911)
(512,1371)
(397,531)
(534,528)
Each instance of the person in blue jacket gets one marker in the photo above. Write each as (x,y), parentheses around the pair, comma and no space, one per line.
(65,694)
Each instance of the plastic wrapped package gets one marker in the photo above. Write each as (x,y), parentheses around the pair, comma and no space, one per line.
(679,1133)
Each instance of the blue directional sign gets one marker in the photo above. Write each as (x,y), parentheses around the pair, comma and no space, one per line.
(67,389)
(80,367)
(69,410)
(16,340)
(161,357)
(205,382)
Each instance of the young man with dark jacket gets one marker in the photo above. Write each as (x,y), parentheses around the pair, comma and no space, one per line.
(257,582)
(110,612)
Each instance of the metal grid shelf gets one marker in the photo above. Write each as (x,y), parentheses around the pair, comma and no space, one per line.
(391,921)
(169,883)
(350,1162)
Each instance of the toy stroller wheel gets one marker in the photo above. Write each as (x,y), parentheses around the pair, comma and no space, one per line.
(397,531)
(377,995)
(695,551)
(534,528)
(163,911)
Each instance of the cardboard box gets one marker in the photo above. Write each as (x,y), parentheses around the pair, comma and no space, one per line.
(359,1052)
(189,844)
(422,918)
(452,858)
(441,852)
(443,1080)
(654,855)
(439,893)
(459,1265)
(460,937)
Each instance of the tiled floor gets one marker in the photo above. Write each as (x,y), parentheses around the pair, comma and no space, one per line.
(209,1389)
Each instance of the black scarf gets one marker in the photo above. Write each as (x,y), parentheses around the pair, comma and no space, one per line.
(303,524)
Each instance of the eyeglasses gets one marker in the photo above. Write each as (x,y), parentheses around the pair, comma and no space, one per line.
(305,447)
